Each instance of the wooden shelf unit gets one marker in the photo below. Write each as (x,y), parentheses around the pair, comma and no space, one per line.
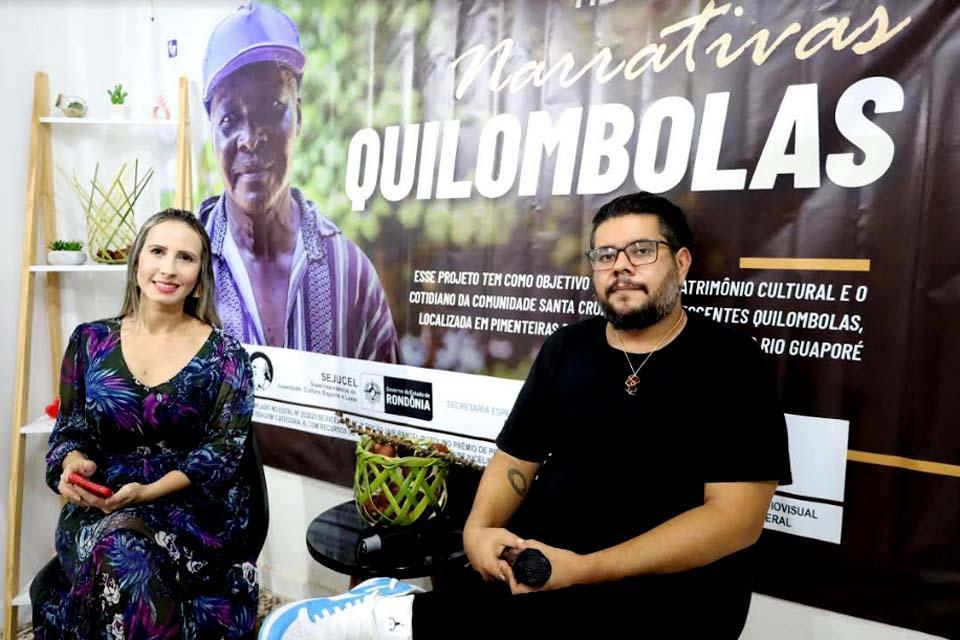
(40,206)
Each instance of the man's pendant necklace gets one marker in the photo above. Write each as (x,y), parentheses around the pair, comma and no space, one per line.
(632,381)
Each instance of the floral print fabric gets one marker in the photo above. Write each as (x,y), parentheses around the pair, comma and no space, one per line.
(175,567)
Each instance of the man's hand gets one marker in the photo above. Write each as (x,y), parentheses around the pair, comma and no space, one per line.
(566,568)
(484,546)
(503,486)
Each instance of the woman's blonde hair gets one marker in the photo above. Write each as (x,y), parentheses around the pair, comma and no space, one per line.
(200,303)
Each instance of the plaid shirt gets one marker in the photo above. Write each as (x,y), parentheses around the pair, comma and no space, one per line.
(335,303)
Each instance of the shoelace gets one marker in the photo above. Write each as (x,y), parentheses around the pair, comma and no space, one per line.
(351,620)
(354,618)
(344,607)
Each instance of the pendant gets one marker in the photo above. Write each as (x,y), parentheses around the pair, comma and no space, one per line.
(631,383)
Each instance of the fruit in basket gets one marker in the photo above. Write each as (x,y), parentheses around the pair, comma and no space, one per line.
(385,449)
(113,254)
(378,504)
(392,492)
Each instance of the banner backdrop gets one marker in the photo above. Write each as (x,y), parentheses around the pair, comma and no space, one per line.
(463,147)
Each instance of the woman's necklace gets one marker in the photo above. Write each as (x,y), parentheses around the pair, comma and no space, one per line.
(137,333)
(632,381)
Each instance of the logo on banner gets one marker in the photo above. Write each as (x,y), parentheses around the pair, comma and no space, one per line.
(410,398)
(397,396)
(371,392)
(262,371)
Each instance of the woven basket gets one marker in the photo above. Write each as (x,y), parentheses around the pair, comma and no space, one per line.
(397,491)
(111,229)
(110,237)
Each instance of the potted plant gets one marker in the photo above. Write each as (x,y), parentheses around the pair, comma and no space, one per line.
(66,252)
(71,106)
(117,99)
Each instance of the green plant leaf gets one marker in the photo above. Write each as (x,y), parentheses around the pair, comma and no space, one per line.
(65,245)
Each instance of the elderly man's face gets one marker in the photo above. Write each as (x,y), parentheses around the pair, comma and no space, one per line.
(255,114)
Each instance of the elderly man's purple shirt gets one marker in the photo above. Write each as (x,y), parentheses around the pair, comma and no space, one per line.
(335,303)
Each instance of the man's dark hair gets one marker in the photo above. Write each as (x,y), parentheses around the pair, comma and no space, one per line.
(673,223)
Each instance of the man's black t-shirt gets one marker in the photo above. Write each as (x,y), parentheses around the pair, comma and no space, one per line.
(615,466)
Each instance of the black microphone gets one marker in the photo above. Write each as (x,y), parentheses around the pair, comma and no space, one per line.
(530,566)
(392,541)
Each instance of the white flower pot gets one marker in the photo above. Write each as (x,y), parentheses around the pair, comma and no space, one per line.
(65,258)
(119,111)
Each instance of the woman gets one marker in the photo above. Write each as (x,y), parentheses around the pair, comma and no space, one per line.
(156,405)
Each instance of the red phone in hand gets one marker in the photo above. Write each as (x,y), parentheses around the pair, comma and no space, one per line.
(92,487)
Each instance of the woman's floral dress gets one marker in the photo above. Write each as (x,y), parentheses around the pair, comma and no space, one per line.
(174,567)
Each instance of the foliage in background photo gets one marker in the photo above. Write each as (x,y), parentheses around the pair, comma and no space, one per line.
(366,63)
(337,101)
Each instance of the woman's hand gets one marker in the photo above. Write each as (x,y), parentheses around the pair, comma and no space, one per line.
(128,494)
(76,462)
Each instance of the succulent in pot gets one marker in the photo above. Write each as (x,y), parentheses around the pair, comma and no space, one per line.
(118,99)
(71,106)
(66,252)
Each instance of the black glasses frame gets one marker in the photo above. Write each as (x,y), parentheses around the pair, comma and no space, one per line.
(656,253)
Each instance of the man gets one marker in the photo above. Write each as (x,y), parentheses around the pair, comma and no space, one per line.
(285,275)
(640,458)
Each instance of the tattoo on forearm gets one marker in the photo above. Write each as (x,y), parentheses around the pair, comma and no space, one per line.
(517,481)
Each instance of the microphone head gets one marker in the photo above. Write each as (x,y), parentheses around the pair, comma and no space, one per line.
(532,568)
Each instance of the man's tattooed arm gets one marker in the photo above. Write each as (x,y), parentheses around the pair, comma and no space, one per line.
(518,481)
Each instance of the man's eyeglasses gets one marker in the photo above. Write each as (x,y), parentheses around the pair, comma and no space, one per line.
(638,252)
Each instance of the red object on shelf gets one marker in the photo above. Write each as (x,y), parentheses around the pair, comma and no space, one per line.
(53,409)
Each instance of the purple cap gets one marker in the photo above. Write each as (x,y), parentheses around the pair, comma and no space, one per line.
(253,33)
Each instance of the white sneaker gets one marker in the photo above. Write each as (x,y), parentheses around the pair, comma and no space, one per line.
(373,610)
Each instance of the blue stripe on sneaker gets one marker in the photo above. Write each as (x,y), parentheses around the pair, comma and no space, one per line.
(279,620)
(277,623)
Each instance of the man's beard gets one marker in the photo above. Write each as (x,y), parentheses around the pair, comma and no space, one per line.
(659,305)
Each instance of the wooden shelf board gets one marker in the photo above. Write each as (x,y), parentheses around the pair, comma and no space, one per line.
(78,267)
(141,122)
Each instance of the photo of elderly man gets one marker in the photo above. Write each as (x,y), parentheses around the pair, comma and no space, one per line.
(285,275)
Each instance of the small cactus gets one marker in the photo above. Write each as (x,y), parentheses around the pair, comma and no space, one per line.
(117,94)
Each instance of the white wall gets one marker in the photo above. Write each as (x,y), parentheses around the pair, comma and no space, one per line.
(86,46)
